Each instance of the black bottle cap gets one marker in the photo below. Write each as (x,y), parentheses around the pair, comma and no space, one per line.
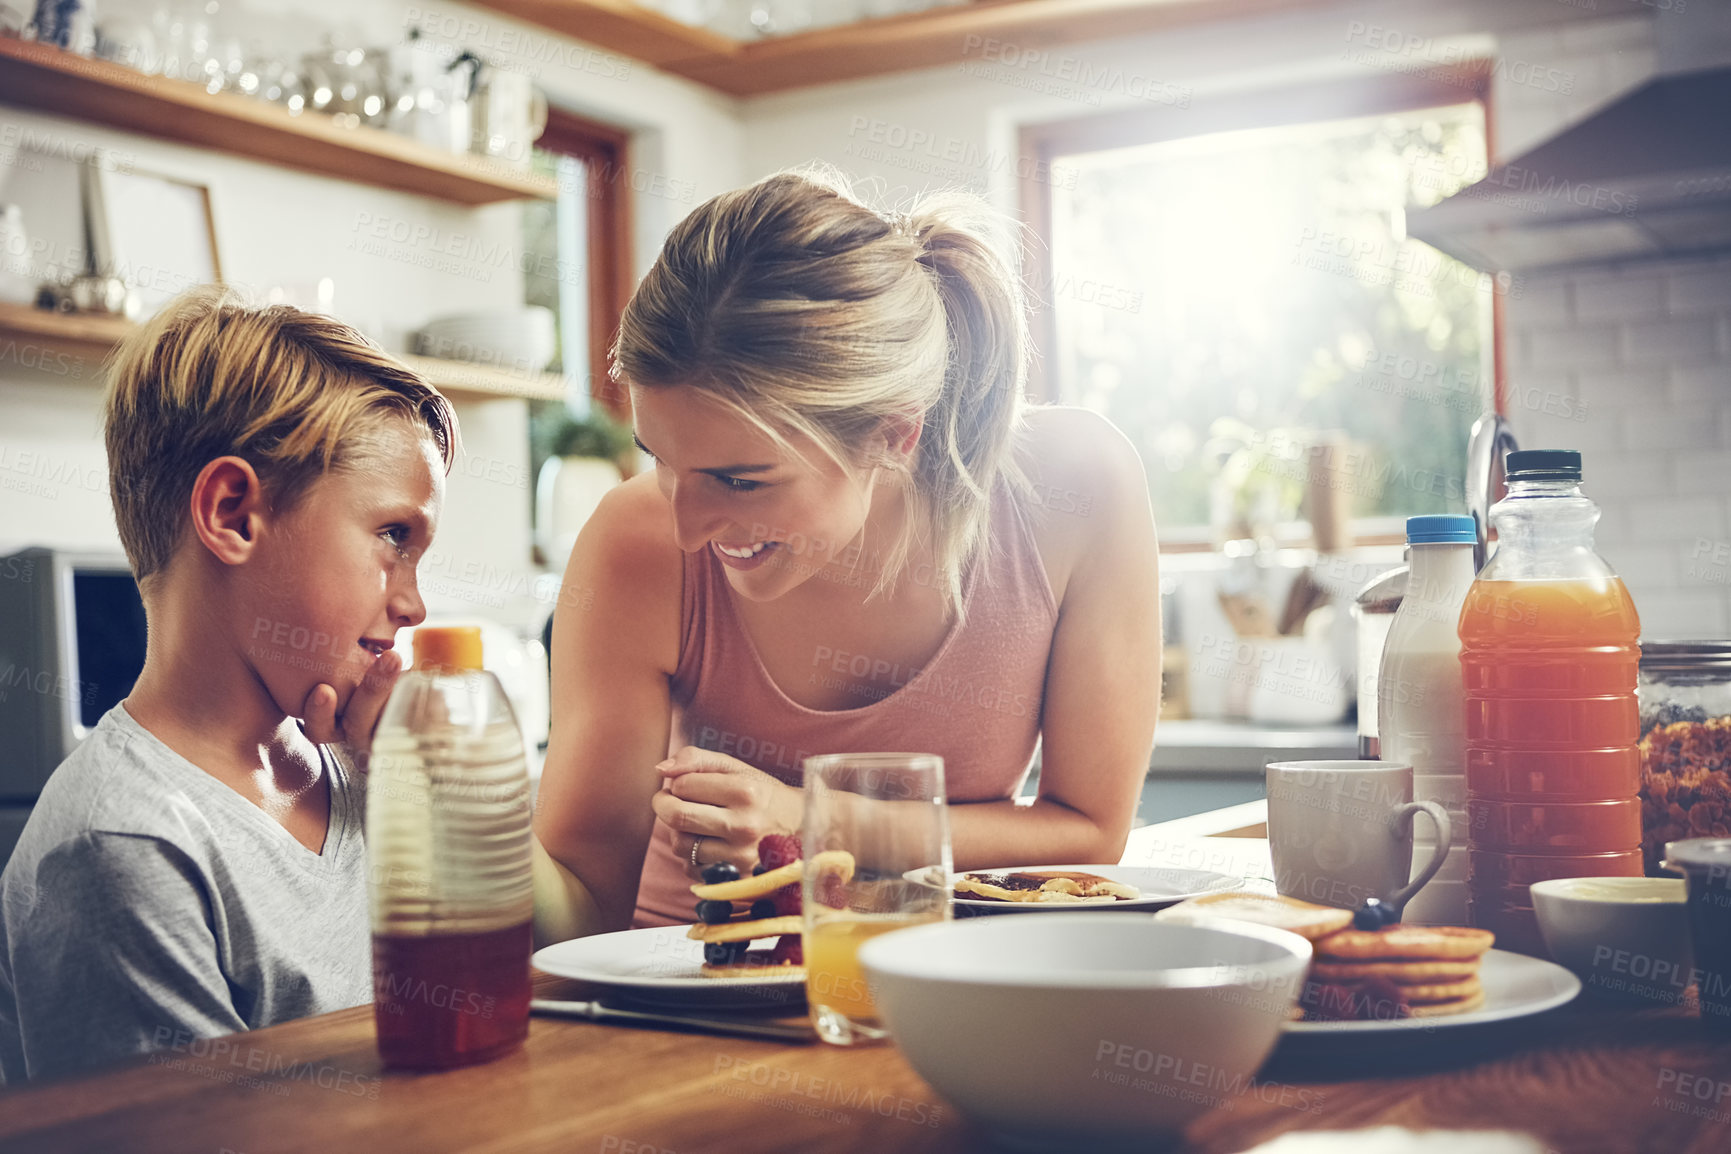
(1544,465)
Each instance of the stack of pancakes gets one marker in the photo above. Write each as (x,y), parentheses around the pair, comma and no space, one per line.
(1362,975)
(785,927)
(782,887)
(1431,970)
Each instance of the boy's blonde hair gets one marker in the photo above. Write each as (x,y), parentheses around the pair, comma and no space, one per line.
(803,310)
(294,394)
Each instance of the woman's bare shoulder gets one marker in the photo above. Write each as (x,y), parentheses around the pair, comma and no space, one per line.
(1081,450)
(627,565)
(634,524)
(1083,475)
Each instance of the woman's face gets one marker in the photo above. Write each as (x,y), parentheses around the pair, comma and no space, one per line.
(773,518)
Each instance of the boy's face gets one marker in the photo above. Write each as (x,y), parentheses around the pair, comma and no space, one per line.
(336,573)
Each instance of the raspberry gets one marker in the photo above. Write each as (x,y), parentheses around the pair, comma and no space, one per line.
(777,850)
(787,900)
(788,951)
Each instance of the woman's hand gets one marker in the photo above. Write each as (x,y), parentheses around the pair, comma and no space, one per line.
(726,803)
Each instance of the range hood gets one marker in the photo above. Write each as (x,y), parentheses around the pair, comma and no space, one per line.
(1648,175)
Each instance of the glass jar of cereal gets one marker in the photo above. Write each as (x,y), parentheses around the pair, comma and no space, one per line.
(1685,695)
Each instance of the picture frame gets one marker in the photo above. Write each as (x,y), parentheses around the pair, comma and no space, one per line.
(161,233)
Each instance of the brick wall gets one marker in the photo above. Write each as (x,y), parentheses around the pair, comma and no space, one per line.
(1632,365)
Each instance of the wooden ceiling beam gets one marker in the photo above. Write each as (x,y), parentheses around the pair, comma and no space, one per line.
(891,44)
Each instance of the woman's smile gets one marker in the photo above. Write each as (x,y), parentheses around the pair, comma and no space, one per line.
(745,557)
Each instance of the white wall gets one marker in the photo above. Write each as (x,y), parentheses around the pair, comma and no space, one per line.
(280,227)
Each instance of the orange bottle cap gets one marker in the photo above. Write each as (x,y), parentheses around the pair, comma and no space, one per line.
(448,648)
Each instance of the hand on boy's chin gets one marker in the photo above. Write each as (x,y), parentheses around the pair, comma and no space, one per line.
(329,719)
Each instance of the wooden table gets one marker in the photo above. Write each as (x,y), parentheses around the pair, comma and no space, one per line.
(1583,1078)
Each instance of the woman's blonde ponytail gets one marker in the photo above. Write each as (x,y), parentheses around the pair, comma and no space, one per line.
(972,430)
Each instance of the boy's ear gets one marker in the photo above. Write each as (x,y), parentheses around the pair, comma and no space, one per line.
(228,509)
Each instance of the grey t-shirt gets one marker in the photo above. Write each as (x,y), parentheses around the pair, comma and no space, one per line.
(148,902)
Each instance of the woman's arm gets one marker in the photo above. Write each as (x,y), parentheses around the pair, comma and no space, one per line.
(615,644)
(1103,678)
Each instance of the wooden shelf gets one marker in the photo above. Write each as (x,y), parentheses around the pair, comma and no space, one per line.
(45,78)
(92,338)
(890,44)
(461,379)
(89,338)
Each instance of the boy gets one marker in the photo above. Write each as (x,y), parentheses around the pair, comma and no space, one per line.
(197,866)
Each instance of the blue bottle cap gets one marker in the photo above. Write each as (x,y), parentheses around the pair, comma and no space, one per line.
(1441,529)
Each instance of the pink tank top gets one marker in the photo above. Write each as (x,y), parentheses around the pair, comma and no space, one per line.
(976,703)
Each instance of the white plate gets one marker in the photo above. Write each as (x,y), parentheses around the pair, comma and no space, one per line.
(662,965)
(1515,986)
(1160,887)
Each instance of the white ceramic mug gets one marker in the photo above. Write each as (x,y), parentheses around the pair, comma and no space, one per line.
(1341,832)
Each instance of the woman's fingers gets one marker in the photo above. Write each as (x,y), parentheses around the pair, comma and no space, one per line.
(692,817)
(710,789)
(710,850)
(691,759)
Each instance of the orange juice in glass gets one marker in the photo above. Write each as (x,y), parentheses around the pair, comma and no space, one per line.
(873,821)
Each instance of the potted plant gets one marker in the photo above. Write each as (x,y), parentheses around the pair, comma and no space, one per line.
(590,455)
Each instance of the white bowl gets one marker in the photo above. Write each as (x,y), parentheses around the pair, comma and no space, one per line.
(520,339)
(1100,1026)
(1625,938)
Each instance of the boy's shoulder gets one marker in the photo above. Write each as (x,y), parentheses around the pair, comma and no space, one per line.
(120,780)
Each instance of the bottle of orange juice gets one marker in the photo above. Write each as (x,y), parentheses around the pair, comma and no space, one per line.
(1549,652)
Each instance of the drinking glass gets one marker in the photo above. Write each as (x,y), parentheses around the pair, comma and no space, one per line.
(877,830)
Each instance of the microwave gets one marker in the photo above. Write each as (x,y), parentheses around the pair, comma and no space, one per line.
(71,647)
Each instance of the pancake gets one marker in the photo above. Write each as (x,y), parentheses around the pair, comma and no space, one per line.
(1305,919)
(1418,973)
(1405,943)
(1048,886)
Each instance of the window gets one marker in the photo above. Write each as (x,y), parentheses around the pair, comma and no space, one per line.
(579,267)
(1244,302)
(588,229)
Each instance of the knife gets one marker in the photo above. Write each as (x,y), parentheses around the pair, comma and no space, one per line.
(596,1012)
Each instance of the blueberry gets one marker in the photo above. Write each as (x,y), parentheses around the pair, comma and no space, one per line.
(715,913)
(1374,915)
(758,869)
(721,871)
(763,908)
(723,953)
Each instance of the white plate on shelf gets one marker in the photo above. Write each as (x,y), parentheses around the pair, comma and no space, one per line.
(1160,886)
(1515,986)
(664,966)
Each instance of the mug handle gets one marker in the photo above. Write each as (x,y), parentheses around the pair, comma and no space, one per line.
(1440,817)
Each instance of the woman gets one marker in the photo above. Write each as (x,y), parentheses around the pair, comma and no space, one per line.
(857,536)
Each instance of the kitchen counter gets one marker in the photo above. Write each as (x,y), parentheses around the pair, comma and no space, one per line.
(1238,748)
(1204,765)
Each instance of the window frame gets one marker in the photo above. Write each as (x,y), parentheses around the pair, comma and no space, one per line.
(1047,143)
(605,152)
